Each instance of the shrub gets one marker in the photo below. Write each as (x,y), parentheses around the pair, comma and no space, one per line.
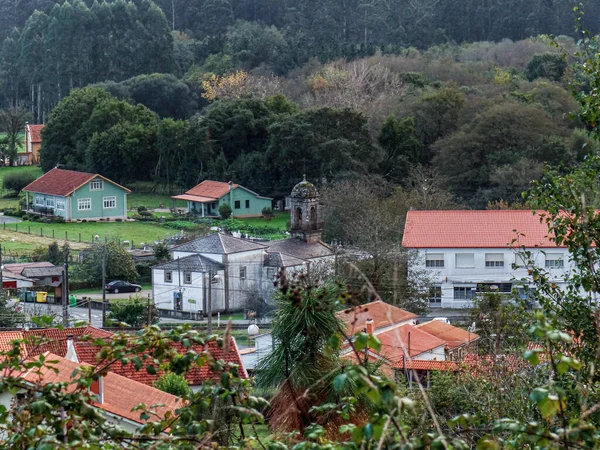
(16,181)
(225,211)
(133,312)
(141,209)
(267,213)
(173,383)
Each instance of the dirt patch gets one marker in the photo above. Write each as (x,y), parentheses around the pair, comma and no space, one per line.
(32,239)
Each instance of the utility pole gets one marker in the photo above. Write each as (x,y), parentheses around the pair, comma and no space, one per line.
(209,302)
(149,313)
(89,299)
(1,280)
(104,286)
(66,288)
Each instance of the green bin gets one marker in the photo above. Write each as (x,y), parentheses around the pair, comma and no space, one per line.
(72,301)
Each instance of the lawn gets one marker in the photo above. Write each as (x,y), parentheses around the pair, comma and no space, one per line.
(279,220)
(152,201)
(138,232)
(20,145)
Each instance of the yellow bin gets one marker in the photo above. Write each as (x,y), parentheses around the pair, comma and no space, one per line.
(41,297)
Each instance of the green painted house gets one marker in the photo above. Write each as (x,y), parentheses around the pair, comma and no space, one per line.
(76,196)
(206,198)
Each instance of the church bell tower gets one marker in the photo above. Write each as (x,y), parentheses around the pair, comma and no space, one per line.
(305,212)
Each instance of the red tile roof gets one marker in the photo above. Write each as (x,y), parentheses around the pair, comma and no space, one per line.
(57,338)
(63,182)
(453,336)
(6,339)
(121,395)
(396,339)
(421,364)
(88,353)
(474,229)
(35,131)
(19,267)
(211,189)
(383,315)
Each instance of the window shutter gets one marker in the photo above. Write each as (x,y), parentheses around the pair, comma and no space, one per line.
(465,260)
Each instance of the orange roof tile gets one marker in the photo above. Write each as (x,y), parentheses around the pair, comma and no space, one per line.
(474,229)
(57,338)
(211,189)
(453,336)
(383,315)
(35,131)
(121,395)
(63,182)
(422,364)
(7,338)
(395,339)
(87,352)
(385,367)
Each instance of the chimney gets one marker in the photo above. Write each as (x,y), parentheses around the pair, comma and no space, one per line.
(370,326)
(97,387)
(71,354)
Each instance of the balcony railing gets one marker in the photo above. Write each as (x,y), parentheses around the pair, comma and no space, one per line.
(42,210)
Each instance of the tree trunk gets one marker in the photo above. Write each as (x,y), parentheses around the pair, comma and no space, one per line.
(39,105)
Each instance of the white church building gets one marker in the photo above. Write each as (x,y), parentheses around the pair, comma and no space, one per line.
(227,270)
(469,252)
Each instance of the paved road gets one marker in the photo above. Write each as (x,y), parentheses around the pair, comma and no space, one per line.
(7,219)
(144,294)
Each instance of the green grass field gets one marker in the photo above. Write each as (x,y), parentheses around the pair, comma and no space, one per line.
(152,201)
(138,232)
(279,220)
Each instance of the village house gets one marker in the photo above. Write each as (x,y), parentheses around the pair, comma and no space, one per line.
(33,143)
(108,392)
(78,344)
(40,273)
(467,253)
(76,196)
(227,270)
(206,198)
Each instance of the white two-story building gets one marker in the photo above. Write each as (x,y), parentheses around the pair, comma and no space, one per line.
(468,252)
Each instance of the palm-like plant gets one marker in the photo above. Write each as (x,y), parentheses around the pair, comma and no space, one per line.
(298,365)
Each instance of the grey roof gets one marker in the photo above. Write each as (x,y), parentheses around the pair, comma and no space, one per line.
(219,243)
(276,259)
(42,272)
(298,248)
(305,189)
(192,263)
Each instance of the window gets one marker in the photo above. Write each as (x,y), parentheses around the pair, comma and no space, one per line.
(60,205)
(434,260)
(435,296)
(168,276)
(521,259)
(213,205)
(39,201)
(242,273)
(50,202)
(494,260)
(464,293)
(109,202)
(503,288)
(84,204)
(187,278)
(465,260)
(236,204)
(271,272)
(247,204)
(554,261)
(96,185)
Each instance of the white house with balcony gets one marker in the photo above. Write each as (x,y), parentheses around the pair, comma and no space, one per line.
(469,252)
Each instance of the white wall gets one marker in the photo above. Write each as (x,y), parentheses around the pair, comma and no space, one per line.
(264,346)
(239,288)
(451,276)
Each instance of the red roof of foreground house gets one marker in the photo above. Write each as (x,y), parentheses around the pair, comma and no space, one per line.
(474,229)
(420,364)
(383,315)
(35,132)
(87,352)
(453,336)
(211,189)
(121,395)
(57,338)
(63,182)
(396,339)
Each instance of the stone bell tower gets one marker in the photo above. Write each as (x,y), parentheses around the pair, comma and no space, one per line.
(305,212)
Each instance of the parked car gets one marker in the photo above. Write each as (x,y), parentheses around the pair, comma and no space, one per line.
(114,287)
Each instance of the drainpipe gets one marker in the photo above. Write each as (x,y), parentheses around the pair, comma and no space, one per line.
(231,198)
